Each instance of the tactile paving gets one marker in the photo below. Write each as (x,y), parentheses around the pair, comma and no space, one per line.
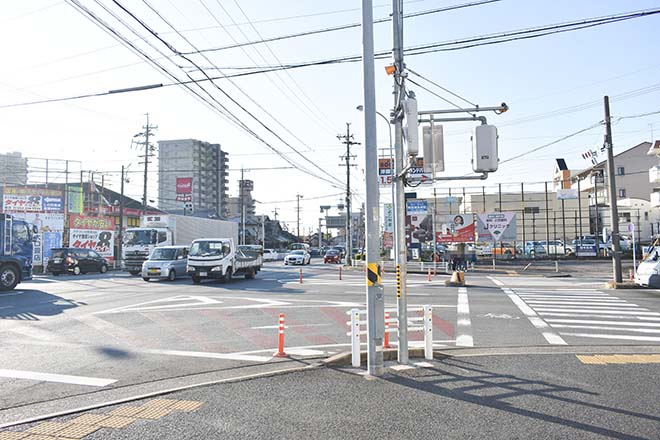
(12,435)
(77,431)
(186,405)
(47,428)
(89,419)
(127,411)
(116,422)
(160,403)
(153,413)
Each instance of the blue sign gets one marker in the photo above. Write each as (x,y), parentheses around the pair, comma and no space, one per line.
(587,250)
(414,207)
(51,240)
(51,203)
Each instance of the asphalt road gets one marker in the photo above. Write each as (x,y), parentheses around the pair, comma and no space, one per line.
(75,341)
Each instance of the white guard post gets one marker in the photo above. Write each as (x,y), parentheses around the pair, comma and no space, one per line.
(355,337)
(428,332)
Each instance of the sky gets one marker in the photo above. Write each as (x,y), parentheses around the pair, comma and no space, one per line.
(52,50)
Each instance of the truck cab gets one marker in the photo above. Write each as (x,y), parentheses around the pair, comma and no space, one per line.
(139,243)
(16,252)
(218,258)
(648,271)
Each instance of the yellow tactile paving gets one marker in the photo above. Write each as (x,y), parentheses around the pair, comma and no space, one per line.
(153,413)
(48,428)
(619,359)
(42,437)
(186,405)
(126,411)
(161,403)
(89,419)
(74,431)
(12,435)
(116,422)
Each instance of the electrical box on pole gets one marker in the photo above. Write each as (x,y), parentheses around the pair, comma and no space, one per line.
(411,128)
(434,149)
(484,149)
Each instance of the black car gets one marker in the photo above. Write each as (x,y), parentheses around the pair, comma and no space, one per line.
(75,261)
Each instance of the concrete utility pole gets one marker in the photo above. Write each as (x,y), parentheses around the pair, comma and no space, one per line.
(241,190)
(374,291)
(120,237)
(614,210)
(298,197)
(148,152)
(348,140)
(400,202)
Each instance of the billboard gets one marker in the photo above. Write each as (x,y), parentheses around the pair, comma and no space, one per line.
(95,233)
(50,228)
(496,226)
(567,194)
(184,189)
(416,207)
(26,199)
(456,228)
(388,217)
(385,171)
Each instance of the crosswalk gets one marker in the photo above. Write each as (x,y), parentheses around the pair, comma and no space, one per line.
(573,313)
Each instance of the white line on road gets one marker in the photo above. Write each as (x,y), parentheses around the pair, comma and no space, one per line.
(550,336)
(60,378)
(267,327)
(587,321)
(580,303)
(602,311)
(463,324)
(603,327)
(622,337)
(209,355)
(594,315)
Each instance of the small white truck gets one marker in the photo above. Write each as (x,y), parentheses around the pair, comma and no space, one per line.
(218,258)
(168,230)
(648,271)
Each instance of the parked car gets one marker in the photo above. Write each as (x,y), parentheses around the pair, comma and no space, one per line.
(166,262)
(332,256)
(299,256)
(555,247)
(506,249)
(587,246)
(532,249)
(76,261)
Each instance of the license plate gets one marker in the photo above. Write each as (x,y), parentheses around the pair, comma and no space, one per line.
(203,274)
(153,271)
(57,260)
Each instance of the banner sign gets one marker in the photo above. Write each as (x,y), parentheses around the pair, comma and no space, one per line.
(30,191)
(75,200)
(388,218)
(586,250)
(456,229)
(184,189)
(48,236)
(385,171)
(95,233)
(419,229)
(567,194)
(27,199)
(497,226)
(414,207)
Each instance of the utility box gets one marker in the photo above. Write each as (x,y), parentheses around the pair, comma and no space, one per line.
(484,149)
(411,133)
(434,149)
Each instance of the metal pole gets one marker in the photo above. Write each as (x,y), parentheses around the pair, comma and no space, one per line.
(120,238)
(579,206)
(435,213)
(400,213)
(146,166)
(450,202)
(374,289)
(241,190)
(499,190)
(563,221)
(483,199)
(522,208)
(263,231)
(595,204)
(349,234)
(547,224)
(614,210)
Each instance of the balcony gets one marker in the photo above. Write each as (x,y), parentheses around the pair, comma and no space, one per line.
(655,199)
(654,174)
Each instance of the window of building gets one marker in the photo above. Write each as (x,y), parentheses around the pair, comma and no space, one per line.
(622,193)
(620,171)
(646,216)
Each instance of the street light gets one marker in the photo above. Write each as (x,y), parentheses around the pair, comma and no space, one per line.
(389,131)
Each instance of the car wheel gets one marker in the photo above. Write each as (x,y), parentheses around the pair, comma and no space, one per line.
(145,279)
(8,278)
(228,275)
(134,272)
(104,268)
(251,275)
(76,270)
(171,275)
(57,274)
(196,279)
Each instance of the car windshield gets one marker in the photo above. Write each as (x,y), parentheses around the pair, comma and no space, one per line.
(206,249)
(332,253)
(161,254)
(141,237)
(57,253)
(298,253)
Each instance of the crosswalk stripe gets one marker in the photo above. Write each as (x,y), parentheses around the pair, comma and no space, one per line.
(613,336)
(581,303)
(596,315)
(603,311)
(589,321)
(601,327)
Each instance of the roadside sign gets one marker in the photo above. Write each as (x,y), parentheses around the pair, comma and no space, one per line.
(567,194)
(417,174)
(385,171)
(497,226)
(416,207)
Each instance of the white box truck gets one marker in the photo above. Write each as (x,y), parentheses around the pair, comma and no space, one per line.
(166,230)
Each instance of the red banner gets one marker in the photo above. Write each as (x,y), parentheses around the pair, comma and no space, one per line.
(184,185)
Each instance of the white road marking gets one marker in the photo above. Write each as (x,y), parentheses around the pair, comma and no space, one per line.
(602,311)
(621,337)
(267,327)
(534,319)
(401,367)
(594,315)
(587,321)
(599,327)
(303,352)
(423,364)
(59,378)
(209,355)
(463,324)
(580,303)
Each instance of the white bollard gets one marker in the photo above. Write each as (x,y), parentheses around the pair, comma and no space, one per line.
(428,332)
(355,337)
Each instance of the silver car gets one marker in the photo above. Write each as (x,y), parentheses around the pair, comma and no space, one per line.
(166,262)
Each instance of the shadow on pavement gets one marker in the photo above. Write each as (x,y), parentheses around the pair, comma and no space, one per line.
(31,305)
(468,383)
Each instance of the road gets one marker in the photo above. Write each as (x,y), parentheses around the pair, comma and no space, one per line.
(72,341)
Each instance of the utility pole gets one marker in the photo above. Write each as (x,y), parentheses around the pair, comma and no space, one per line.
(348,140)
(374,290)
(614,210)
(120,238)
(400,203)
(241,186)
(275,213)
(298,197)
(148,152)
